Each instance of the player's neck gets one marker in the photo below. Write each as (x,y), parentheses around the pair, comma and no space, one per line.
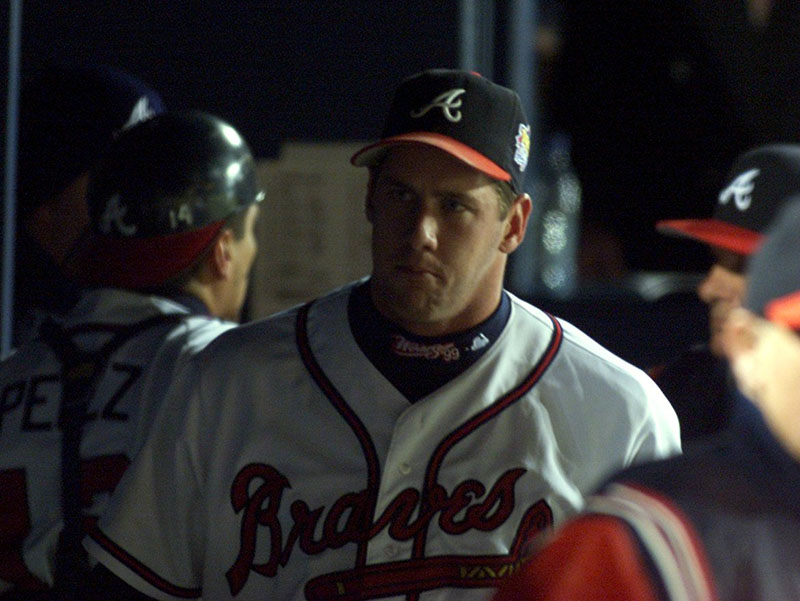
(428,323)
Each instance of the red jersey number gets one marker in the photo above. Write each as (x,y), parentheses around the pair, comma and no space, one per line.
(100,475)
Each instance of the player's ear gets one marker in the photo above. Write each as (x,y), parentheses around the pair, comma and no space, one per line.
(220,258)
(516,223)
(740,340)
(739,333)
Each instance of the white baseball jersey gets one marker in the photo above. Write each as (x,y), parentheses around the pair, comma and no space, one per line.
(299,472)
(119,413)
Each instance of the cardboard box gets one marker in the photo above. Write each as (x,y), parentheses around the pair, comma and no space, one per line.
(313,235)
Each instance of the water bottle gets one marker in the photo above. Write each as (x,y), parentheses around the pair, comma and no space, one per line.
(558,226)
(545,264)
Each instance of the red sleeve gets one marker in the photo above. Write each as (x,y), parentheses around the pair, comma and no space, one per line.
(591,557)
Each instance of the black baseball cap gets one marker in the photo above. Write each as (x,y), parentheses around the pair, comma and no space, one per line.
(773,283)
(756,186)
(462,113)
(160,195)
(69,113)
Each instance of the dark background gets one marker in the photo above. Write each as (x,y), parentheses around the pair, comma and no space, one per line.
(657,98)
(319,71)
(303,70)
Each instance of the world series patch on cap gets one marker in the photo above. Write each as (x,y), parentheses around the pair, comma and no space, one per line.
(462,113)
(757,184)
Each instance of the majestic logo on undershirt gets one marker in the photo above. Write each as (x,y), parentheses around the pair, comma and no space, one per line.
(444,351)
(479,342)
(403,347)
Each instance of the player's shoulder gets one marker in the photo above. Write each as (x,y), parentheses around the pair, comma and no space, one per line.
(181,322)
(192,333)
(275,335)
(261,335)
(693,474)
(579,348)
(97,314)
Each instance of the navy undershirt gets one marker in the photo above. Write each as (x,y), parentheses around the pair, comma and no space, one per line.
(418,365)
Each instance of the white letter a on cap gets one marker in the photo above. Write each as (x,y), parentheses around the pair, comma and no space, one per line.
(741,189)
(114,213)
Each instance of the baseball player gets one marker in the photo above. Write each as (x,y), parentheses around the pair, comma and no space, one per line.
(405,435)
(720,522)
(68,115)
(172,206)
(757,184)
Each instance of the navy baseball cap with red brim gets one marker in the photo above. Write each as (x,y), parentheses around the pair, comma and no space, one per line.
(462,113)
(755,189)
(714,232)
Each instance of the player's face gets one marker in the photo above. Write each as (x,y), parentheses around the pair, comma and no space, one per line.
(722,289)
(439,244)
(244,253)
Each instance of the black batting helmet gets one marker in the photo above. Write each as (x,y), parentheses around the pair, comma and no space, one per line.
(161,194)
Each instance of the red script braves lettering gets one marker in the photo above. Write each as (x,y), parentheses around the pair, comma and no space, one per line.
(258,489)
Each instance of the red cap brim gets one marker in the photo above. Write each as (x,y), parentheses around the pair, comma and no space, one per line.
(369,154)
(714,232)
(785,310)
(139,263)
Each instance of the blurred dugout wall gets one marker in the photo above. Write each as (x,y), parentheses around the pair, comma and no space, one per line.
(313,235)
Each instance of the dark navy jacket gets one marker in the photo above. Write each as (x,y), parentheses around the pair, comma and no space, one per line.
(739,494)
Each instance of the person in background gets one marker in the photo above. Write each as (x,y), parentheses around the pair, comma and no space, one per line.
(172,206)
(405,434)
(658,111)
(68,115)
(721,522)
(695,382)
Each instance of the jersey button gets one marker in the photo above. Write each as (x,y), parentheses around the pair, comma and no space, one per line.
(391,551)
(404,469)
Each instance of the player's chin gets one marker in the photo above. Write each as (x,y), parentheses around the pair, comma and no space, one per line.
(422,296)
(416,278)
(416,301)
(410,291)
(405,284)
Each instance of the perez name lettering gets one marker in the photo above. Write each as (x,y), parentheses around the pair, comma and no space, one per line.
(258,489)
(406,348)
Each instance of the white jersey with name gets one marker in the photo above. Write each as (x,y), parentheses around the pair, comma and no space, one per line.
(299,472)
(124,403)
